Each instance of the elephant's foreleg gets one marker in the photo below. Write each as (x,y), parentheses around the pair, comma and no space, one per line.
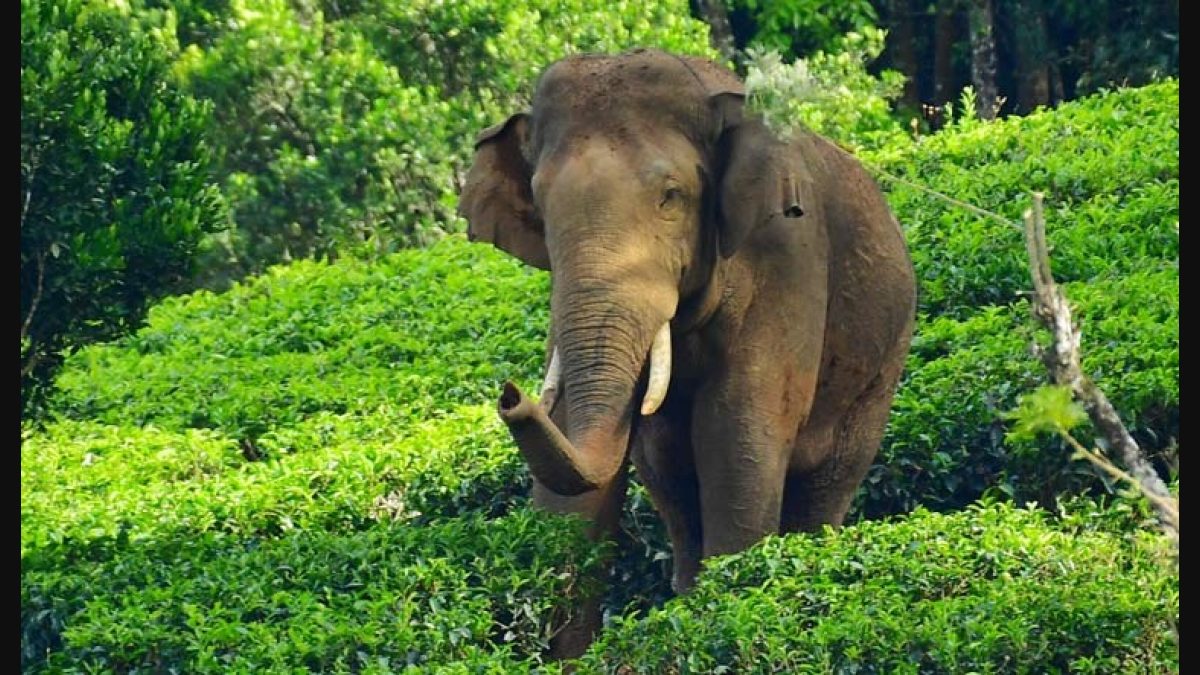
(741,448)
(662,454)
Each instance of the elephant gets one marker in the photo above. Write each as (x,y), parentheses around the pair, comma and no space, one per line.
(730,310)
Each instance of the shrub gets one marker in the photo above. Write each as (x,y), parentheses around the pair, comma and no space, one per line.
(993,589)
(324,408)
(83,482)
(803,27)
(945,444)
(830,93)
(150,543)
(419,331)
(356,542)
(1108,165)
(501,46)
(114,178)
(481,594)
(349,129)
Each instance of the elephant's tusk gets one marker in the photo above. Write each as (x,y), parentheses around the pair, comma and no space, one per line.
(550,385)
(660,370)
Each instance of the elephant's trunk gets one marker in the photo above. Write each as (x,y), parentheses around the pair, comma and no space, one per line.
(600,401)
(657,383)
(552,458)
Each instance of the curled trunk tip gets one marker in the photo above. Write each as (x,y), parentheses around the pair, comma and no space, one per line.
(510,397)
(550,456)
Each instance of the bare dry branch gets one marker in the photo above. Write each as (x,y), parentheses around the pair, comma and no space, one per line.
(28,195)
(1050,307)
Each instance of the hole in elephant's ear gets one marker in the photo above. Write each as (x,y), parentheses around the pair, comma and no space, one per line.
(762,177)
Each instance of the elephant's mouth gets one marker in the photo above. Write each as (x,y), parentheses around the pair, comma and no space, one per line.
(552,458)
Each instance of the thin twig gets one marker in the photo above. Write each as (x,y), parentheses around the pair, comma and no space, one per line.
(33,167)
(34,359)
(1166,505)
(945,197)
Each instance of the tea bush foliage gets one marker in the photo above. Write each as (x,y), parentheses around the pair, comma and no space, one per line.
(469,591)
(1109,167)
(346,338)
(422,331)
(306,472)
(991,589)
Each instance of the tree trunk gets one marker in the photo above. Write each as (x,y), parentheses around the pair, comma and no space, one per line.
(983,58)
(943,52)
(1056,83)
(904,55)
(1034,55)
(720,32)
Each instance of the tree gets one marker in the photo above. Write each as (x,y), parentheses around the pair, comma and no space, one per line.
(944,36)
(720,32)
(115,189)
(1038,81)
(902,47)
(983,58)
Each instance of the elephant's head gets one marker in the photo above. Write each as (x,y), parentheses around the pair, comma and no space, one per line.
(630,179)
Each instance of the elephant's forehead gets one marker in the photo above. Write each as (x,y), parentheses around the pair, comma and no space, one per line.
(601,86)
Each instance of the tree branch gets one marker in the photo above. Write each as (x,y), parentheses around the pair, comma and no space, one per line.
(1050,308)
(37,294)
(33,167)
(35,357)
(1167,505)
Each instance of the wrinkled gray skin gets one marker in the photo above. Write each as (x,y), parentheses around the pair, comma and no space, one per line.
(640,184)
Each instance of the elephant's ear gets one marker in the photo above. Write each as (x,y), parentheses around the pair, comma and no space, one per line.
(762,176)
(497,200)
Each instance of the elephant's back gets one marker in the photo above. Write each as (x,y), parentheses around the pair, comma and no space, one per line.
(872,284)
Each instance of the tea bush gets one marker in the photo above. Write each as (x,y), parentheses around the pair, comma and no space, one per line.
(1109,166)
(482,594)
(945,442)
(83,482)
(306,471)
(993,589)
(422,331)
(428,331)
(132,535)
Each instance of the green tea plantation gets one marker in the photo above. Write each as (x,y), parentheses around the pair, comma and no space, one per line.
(305,473)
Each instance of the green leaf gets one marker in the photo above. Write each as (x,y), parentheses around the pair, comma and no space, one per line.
(1048,409)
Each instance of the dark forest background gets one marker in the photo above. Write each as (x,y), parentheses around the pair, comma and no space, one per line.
(1026,53)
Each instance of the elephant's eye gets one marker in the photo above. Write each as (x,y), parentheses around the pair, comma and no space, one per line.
(670,196)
